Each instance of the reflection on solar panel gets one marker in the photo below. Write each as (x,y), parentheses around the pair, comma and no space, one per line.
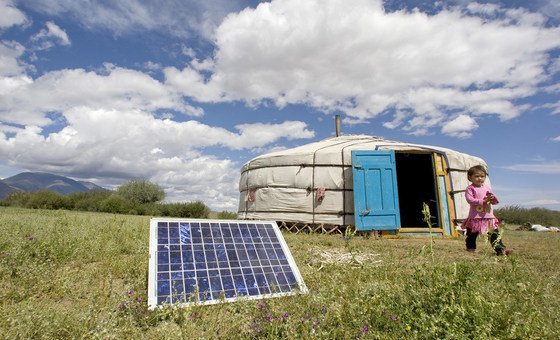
(208,261)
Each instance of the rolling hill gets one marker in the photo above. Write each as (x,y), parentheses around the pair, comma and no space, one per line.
(35,181)
(6,189)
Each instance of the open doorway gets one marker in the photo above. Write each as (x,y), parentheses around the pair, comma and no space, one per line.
(416,185)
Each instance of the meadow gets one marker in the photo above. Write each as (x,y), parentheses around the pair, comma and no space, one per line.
(69,274)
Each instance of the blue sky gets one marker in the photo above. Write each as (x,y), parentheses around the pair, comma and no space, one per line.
(185,92)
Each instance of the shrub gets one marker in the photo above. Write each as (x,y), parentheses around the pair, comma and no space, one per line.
(514,214)
(141,191)
(116,204)
(149,209)
(191,210)
(17,199)
(45,199)
(227,215)
(88,200)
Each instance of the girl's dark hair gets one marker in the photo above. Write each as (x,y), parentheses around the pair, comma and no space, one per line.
(476,168)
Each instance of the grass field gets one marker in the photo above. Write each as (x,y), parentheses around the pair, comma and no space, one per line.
(84,275)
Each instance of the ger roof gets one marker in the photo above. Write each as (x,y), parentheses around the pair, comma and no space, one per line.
(337,150)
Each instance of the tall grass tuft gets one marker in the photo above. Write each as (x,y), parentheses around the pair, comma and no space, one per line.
(427,218)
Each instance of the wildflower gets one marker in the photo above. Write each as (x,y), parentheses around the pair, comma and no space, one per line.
(408,327)
(130,292)
(285,316)
(29,237)
(261,305)
(365,328)
(316,324)
(269,318)
(306,317)
(5,254)
(392,317)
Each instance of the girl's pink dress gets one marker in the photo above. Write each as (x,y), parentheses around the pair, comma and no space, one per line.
(480,216)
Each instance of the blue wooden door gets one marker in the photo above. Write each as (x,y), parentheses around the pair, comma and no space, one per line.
(376,199)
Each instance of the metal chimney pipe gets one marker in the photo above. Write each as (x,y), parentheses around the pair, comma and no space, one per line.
(337,125)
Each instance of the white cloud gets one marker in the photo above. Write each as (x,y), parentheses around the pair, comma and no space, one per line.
(203,178)
(114,124)
(151,67)
(192,84)
(462,126)
(359,59)
(57,91)
(120,144)
(398,119)
(8,129)
(544,202)
(49,36)
(10,15)
(124,17)
(550,168)
(554,107)
(130,135)
(556,139)
(351,56)
(10,66)
(555,66)
(255,135)
(549,8)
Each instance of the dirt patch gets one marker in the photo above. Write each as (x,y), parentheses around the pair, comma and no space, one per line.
(322,257)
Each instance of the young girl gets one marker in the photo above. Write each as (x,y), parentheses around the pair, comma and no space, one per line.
(481,219)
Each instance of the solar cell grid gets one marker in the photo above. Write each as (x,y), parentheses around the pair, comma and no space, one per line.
(210,261)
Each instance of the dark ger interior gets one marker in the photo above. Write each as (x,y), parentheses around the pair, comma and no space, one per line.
(416,185)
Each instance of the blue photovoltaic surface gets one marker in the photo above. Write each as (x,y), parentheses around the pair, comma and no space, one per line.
(209,261)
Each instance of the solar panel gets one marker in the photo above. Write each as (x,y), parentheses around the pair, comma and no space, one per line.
(209,261)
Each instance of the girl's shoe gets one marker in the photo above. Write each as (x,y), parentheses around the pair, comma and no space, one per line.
(471,250)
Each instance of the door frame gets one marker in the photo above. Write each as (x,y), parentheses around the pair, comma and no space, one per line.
(443,190)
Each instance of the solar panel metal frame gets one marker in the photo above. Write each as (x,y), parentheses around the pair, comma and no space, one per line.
(153,265)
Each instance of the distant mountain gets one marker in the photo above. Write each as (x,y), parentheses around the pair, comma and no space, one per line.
(35,181)
(91,186)
(6,189)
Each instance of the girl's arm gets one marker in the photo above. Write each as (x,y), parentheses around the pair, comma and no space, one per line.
(470,195)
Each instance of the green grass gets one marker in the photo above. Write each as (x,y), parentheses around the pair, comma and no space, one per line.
(84,275)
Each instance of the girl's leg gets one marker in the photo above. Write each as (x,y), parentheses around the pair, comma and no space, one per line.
(471,240)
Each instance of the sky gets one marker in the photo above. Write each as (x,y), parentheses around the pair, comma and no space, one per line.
(184,92)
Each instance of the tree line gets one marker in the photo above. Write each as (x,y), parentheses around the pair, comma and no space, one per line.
(136,197)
